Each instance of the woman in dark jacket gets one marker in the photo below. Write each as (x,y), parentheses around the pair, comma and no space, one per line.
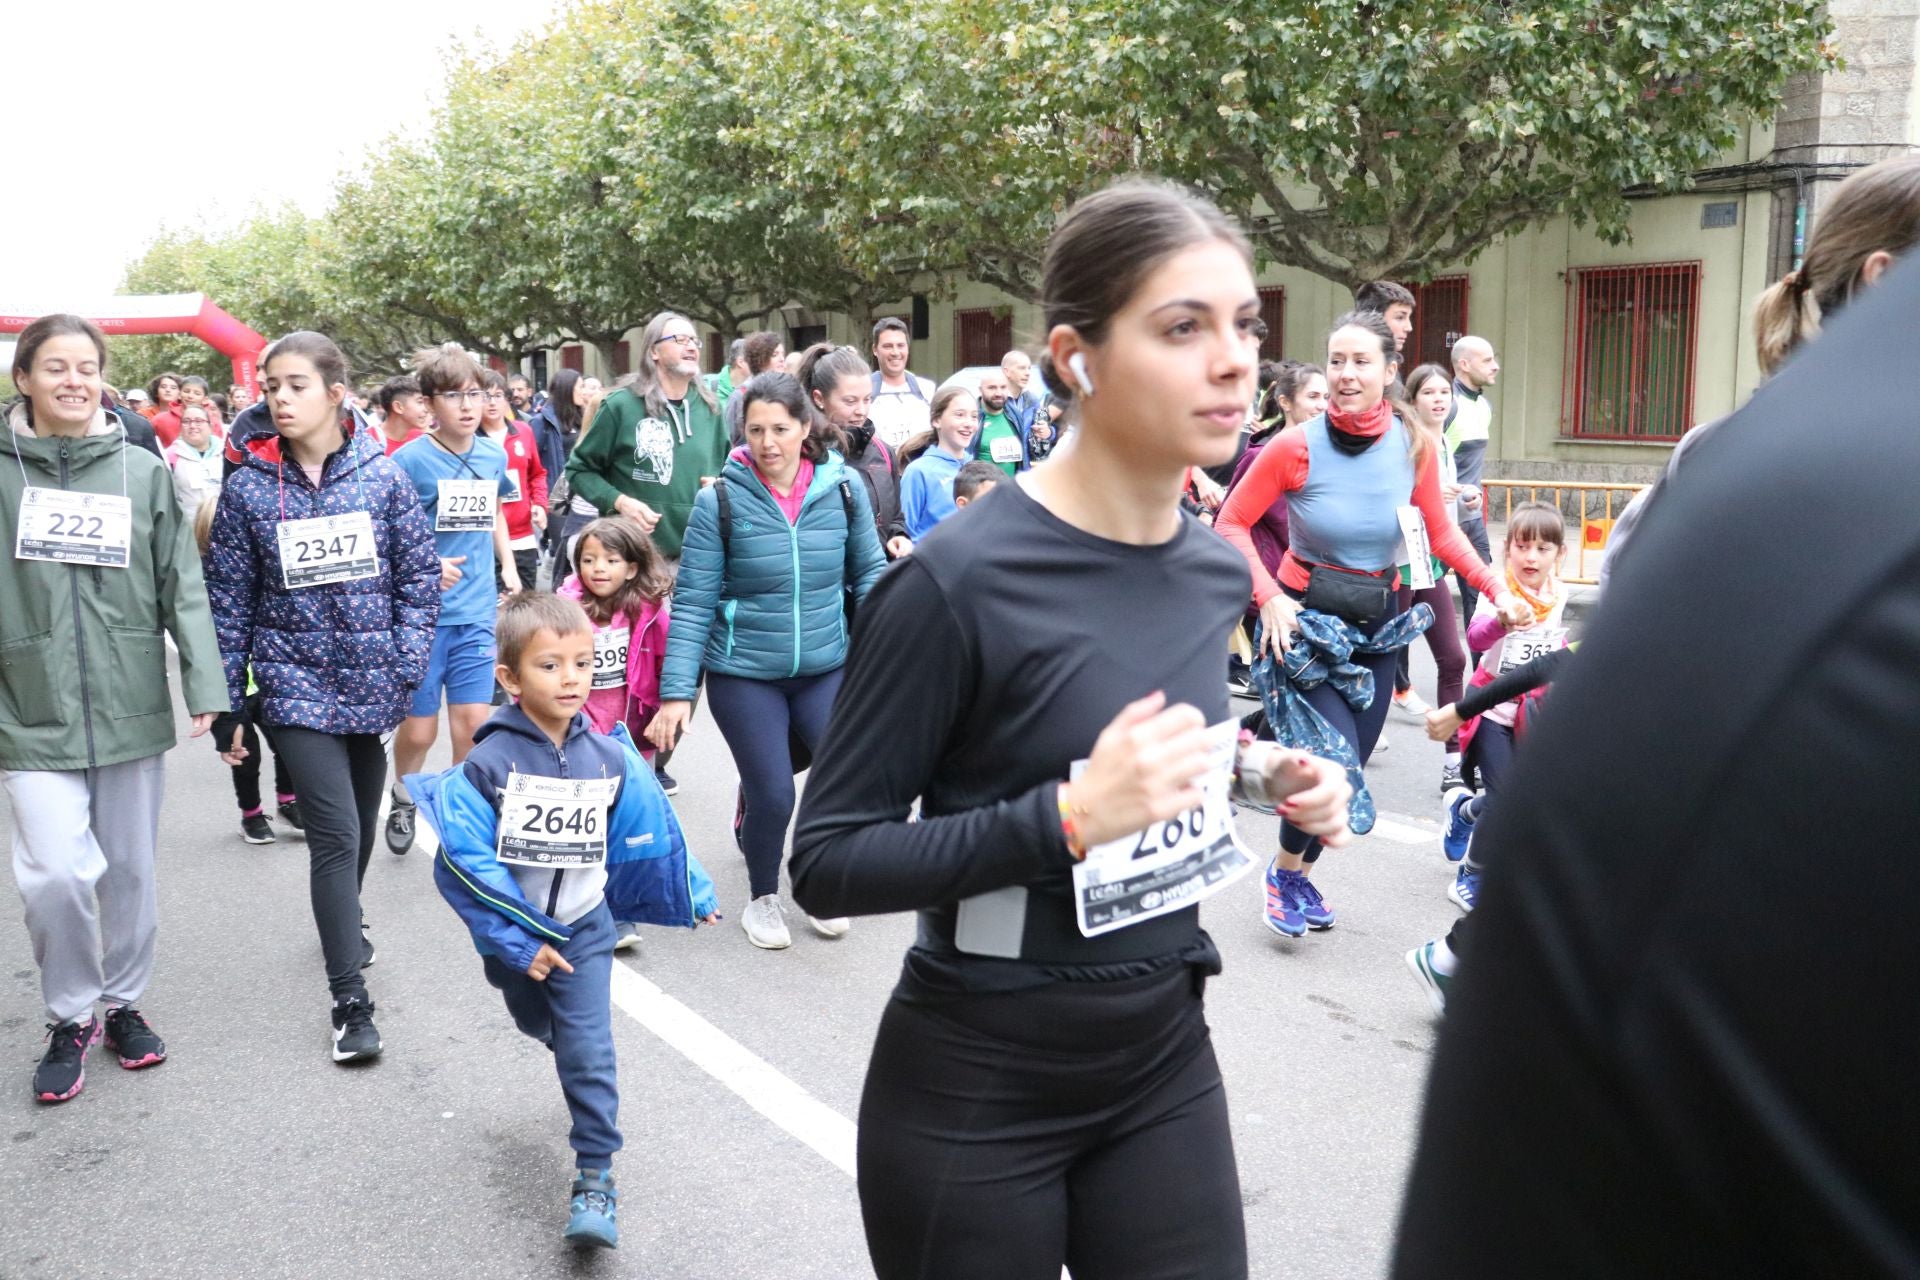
(325,587)
(840,386)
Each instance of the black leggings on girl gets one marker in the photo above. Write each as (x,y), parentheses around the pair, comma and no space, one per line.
(339,777)
(1082,1123)
(754,716)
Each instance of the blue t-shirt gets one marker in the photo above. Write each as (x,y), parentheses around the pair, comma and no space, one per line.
(427,462)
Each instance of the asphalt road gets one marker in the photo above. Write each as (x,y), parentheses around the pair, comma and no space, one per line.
(249,1153)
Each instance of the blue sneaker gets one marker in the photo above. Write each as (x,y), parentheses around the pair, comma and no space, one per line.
(595,1205)
(1465,888)
(1283,912)
(1431,980)
(1312,907)
(1453,841)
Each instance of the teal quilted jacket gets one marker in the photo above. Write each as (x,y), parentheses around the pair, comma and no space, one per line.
(773,603)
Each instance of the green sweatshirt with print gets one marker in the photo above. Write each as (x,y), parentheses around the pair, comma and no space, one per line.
(657,458)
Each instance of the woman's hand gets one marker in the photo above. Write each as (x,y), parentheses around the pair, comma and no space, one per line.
(1279,619)
(1444,722)
(897,547)
(669,722)
(1145,768)
(1312,794)
(1207,492)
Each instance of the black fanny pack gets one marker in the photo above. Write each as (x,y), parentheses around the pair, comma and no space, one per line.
(1360,598)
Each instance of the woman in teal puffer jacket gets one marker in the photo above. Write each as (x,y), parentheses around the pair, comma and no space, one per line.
(772,551)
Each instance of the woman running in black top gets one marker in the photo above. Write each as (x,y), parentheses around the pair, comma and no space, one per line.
(1043,1089)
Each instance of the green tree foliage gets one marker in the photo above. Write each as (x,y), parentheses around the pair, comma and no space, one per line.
(728,157)
(275,273)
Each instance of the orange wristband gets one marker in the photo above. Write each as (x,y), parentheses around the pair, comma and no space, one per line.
(1070,827)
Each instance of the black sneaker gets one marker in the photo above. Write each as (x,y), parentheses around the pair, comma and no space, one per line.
(367,952)
(255,829)
(129,1036)
(290,814)
(400,828)
(1450,778)
(740,818)
(62,1073)
(354,1036)
(667,784)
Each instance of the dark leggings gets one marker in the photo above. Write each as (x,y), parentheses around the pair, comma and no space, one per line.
(1491,754)
(1081,1124)
(339,778)
(246,774)
(1443,641)
(754,716)
(1360,728)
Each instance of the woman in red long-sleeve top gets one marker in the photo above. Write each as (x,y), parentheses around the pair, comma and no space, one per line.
(1345,476)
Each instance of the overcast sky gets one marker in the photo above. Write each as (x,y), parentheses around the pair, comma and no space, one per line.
(198,111)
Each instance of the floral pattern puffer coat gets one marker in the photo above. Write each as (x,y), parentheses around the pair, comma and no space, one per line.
(340,657)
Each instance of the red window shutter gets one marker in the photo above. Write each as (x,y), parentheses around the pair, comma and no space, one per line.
(573,356)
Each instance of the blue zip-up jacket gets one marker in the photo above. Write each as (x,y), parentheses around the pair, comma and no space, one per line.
(343,657)
(650,876)
(774,605)
(926,490)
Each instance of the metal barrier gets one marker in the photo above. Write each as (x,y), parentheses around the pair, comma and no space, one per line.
(1590,510)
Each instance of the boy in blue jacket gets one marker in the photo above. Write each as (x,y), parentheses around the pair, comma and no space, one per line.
(549,832)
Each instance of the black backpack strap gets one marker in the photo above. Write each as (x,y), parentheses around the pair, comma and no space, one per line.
(726,517)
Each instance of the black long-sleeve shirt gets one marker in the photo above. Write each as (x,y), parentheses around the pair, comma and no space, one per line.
(982,667)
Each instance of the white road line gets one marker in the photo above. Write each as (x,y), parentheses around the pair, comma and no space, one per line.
(1402,831)
(759,1085)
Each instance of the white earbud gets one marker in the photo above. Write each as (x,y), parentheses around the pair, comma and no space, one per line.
(1078,363)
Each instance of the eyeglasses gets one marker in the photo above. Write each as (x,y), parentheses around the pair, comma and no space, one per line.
(684,339)
(496,395)
(472,395)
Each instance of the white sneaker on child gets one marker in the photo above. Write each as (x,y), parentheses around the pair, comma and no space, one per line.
(831,926)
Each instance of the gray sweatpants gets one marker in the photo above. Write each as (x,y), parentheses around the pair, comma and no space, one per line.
(83,843)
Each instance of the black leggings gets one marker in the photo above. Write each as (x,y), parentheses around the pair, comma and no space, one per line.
(1082,1124)
(339,777)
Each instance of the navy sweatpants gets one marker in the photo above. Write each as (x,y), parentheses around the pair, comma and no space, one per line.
(571,1014)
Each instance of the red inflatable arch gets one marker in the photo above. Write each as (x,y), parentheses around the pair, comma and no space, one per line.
(193,314)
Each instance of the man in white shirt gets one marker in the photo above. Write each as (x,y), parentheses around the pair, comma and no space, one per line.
(901,400)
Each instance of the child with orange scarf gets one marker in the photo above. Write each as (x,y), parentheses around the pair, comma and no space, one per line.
(1536,541)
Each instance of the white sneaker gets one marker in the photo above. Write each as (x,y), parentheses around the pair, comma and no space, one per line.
(1411,705)
(831,927)
(765,923)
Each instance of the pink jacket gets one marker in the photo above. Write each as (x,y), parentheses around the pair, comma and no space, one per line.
(645,655)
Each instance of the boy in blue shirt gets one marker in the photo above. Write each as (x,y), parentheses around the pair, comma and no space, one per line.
(548,832)
(462,479)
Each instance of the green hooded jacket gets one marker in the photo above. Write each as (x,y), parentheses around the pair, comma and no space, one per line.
(658,460)
(83,665)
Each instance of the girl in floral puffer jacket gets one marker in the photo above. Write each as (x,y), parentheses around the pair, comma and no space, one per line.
(324,579)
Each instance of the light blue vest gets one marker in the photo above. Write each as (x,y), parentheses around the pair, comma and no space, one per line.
(1347,514)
